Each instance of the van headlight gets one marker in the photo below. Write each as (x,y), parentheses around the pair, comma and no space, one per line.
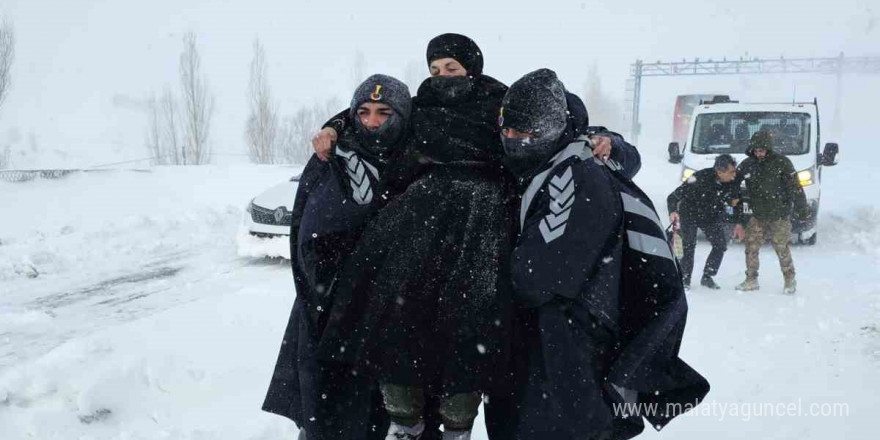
(250,206)
(805,177)
(687,173)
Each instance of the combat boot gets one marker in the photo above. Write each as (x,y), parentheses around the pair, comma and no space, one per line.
(748,285)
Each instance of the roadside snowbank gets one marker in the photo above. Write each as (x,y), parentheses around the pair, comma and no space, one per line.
(197,371)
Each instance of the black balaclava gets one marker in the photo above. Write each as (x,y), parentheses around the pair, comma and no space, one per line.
(386,90)
(534,104)
(451,89)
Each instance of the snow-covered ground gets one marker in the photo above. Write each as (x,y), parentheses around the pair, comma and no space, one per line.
(104,277)
(127,312)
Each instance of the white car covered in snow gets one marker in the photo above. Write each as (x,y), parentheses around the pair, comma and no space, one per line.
(266,222)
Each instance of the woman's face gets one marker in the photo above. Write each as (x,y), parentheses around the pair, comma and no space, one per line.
(447,67)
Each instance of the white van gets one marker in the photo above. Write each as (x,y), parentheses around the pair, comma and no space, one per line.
(719,128)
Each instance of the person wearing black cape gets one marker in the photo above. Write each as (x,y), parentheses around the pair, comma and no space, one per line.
(424,300)
(601,307)
(333,201)
(422,303)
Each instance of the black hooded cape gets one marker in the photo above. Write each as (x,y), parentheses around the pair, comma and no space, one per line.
(333,201)
(602,311)
(424,298)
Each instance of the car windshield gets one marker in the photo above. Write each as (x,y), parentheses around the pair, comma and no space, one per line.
(717,133)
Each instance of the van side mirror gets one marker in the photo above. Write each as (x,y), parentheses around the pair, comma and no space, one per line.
(675,155)
(829,156)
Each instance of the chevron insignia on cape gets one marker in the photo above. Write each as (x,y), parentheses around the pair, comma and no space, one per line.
(561,191)
(361,192)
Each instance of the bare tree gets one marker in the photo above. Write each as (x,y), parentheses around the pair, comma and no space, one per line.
(7,55)
(603,110)
(154,132)
(174,149)
(287,150)
(296,132)
(296,135)
(262,124)
(198,103)
(358,69)
(162,139)
(5,160)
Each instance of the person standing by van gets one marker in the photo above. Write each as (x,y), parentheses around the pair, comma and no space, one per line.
(770,181)
(702,202)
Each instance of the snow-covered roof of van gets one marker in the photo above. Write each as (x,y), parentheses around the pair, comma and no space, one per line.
(797,107)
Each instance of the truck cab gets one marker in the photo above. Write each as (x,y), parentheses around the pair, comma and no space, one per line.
(726,128)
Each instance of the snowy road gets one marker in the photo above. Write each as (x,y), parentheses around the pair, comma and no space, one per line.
(127,319)
(84,306)
(129,247)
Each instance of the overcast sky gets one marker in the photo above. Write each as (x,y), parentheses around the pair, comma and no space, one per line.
(83,67)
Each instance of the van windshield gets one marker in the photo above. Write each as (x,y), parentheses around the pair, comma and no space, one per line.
(717,133)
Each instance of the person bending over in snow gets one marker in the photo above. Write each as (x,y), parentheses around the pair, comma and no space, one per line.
(702,202)
(333,201)
(602,305)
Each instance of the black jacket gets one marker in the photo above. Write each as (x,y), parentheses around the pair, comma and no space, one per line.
(603,309)
(702,198)
(333,201)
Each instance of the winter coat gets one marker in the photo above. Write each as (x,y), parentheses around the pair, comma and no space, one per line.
(602,309)
(702,198)
(771,186)
(333,201)
(426,295)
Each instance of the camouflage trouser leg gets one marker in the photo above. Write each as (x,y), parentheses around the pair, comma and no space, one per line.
(780,235)
(754,240)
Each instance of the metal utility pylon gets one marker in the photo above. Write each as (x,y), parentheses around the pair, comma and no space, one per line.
(756,66)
